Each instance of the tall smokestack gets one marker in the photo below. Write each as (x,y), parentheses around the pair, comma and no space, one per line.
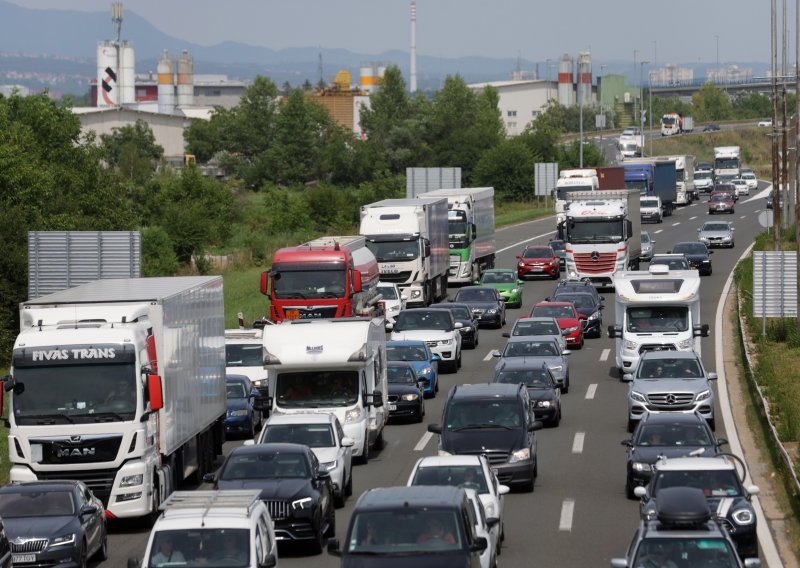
(413,83)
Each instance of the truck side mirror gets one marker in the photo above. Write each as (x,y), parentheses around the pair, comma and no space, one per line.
(265,283)
(614,331)
(628,228)
(357,281)
(155,393)
(474,231)
(427,248)
(377,398)
(699,330)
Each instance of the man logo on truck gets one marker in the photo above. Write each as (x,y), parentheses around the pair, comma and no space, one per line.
(75,452)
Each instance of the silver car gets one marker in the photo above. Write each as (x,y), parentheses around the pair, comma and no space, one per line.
(538,348)
(647,246)
(715,234)
(670,381)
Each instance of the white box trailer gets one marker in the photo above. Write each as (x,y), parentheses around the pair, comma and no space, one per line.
(336,366)
(121,384)
(409,239)
(470,219)
(657,310)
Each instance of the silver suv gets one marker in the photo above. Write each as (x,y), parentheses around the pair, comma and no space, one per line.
(670,381)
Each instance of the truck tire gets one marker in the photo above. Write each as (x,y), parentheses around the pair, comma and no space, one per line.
(364,457)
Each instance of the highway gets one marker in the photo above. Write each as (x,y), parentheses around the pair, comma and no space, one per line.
(578,514)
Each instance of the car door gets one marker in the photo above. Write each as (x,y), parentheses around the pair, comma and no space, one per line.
(323,486)
(345,452)
(91,522)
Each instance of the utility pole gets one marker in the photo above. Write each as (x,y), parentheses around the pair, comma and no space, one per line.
(797,154)
(635,116)
(776,194)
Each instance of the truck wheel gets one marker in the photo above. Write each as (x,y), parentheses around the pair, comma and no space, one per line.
(379,441)
(364,457)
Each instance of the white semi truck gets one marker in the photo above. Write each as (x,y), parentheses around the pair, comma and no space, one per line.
(727,163)
(603,234)
(470,220)
(409,239)
(336,366)
(658,310)
(120,384)
(684,178)
(569,181)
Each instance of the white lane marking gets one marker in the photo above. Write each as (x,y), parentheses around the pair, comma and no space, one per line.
(590,391)
(426,437)
(567,510)
(658,231)
(693,204)
(515,245)
(604,355)
(676,224)
(692,218)
(743,216)
(489,356)
(577,443)
(760,195)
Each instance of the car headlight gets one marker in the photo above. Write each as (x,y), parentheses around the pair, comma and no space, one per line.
(302,503)
(409,397)
(594,316)
(466,328)
(544,403)
(259,382)
(426,371)
(445,341)
(328,466)
(416,293)
(393,309)
(514,291)
(491,311)
(132,480)
(353,415)
(520,455)
(744,517)
(686,343)
(630,345)
(571,329)
(557,368)
(638,397)
(641,466)
(64,539)
(705,395)
(489,508)
(238,413)
(521,264)
(702,239)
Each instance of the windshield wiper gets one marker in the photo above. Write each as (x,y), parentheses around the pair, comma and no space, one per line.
(102,416)
(50,418)
(479,426)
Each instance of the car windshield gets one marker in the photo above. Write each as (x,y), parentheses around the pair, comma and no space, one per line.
(264,465)
(690,248)
(406,353)
(538,253)
(719,197)
(690,550)
(483,413)
(459,312)
(311,435)
(553,311)
(316,389)
(674,263)
(536,328)
(197,547)
(716,227)
(578,300)
(677,434)
(469,476)
(713,482)
(388,292)
(499,278)
(244,355)
(657,319)
(530,349)
(236,389)
(413,320)
(400,375)
(475,295)
(531,378)
(645,238)
(702,175)
(404,531)
(670,369)
(36,504)
(648,203)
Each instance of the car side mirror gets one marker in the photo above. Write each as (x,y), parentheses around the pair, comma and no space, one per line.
(712,376)
(711,252)
(133,562)
(333,547)
(459,325)
(640,491)
(698,230)
(347,442)
(722,441)
(627,377)
(435,428)
(614,331)
(566,352)
(479,545)
(89,510)
(436,358)
(627,442)
(752,563)
(377,398)
(506,334)
(389,326)
(503,489)
(496,353)
(619,563)
(752,490)
(208,478)
(323,474)
(700,330)
(249,443)
(492,521)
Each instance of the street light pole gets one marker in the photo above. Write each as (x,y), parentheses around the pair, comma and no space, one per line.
(718,73)
(650,111)
(635,51)
(547,62)
(641,104)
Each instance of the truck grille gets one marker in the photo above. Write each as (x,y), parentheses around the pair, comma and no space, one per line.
(100,481)
(278,509)
(87,449)
(397,277)
(455,260)
(29,546)
(657,347)
(671,400)
(601,263)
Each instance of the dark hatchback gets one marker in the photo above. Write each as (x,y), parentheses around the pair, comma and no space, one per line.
(485,303)
(469,322)
(542,388)
(53,523)
(697,254)
(665,434)
(244,413)
(496,420)
(298,494)
(590,308)
(406,392)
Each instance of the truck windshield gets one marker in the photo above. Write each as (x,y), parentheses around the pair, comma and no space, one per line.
(594,231)
(457,228)
(668,121)
(200,547)
(726,163)
(316,280)
(640,184)
(317,389)
(561,192)
(404,531)
(649,203)
(76,393)
(702,175)
(657,319)
(385,251)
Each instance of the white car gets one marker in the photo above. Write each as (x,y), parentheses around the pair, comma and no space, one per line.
(392,300)
(486,527)
(765,122)
(751,179)
(742,187)
(244,355)
(469,471)
(322,433)
(437,328)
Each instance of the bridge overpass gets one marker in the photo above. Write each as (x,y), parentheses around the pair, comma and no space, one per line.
(754,84)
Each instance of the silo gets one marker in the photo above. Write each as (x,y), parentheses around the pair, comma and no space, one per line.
(166,85)
(565,81)
(185,80)
(127,63)
(107,89)
(367,79)
(585,78)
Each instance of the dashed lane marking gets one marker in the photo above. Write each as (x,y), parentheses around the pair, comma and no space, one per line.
(676,224)
(577,442)
(692,218)
(658,231)
(489,356)
(426,437)
(604,355)
(567,511)
(743,217)
(590,391)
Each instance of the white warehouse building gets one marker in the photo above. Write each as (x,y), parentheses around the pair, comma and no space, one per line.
(520,102)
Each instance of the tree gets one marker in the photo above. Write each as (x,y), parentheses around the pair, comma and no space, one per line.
(508,167)
(753,105)
(711,103)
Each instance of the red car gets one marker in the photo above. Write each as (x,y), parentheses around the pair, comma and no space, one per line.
(569,320)
(720,202)
(538,261)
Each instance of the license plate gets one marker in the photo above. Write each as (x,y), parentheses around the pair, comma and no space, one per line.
(292,314)
(19,558)
(392,407)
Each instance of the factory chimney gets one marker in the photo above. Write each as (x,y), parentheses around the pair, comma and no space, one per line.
(413,82)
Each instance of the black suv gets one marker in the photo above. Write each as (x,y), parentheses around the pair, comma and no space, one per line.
(496,420)
(485,302)
(697,254)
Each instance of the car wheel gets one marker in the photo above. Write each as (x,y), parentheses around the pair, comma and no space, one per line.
(420,412)
(713,425)
(458,360)
(82,558)
(252,431)
(364,457)
(348,488)
(629,490)
(331,531)
(319,539)
(379,441)
(557,420)
(631,425)
(436,387)
(527,487)
(102,552)
(338,499)
(565,388)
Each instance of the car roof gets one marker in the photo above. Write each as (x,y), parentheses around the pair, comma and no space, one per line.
(670,355)
(42,485)
(406,343)
(443,496)
(527,338)
(302,418)
(271,448)
(673,418)
(499,270)
(476,287)
(445,461)
(553,303)
(525,363)
(235,378)
(486,390)
(450,305)
(720,463)
(406,364)
(563,292)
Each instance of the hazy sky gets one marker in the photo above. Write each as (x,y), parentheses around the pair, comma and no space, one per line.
(674,31)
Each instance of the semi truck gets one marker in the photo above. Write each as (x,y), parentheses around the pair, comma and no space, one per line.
(639,175)
(611,177)
(602,231)
(120,383)
(470,222)
(665,184)
(329,277)
(630,145)
(336,366)
(657,310)
(727,163)
(409,240)
(671,123)
(580,180)
(684,177)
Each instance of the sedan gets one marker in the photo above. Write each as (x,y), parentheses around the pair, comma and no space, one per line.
(542,388)
(539,261)
(298,492)
(770,200)
(322,433)
(567,317)
(485,302)
(671,261)
(391,300)
(53,523)
(720,203)
(505,281)
(741,186)
(697,254)
(711,127)
(751,179)
(534,351)
(244,406)
(526,326)
(486,527)
(765,122)
(420,356)
(406,393)
(716,234)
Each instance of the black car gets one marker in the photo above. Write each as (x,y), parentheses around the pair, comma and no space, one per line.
(496,420)
(697,254)
(671,261)
(589,306)
(298,494)
(542,388)
(579,286)
(770,199)
(53,523)
(485,302)
(711,127)
(406,391)
(469,330)
(560,248)
(669,434)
